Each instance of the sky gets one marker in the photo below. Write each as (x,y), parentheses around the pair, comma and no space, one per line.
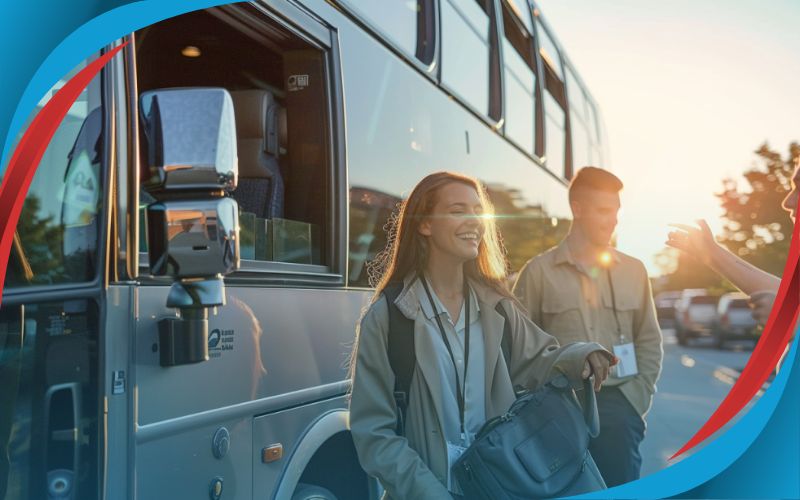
(688,90)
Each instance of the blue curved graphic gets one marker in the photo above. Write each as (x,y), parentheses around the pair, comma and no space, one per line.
(43,40)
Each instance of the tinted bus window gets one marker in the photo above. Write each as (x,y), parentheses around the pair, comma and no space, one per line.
(520,82)
(581,140)
(555,134)
(396,19)
(581,148)
(549,52)
(56,238)
(465,51)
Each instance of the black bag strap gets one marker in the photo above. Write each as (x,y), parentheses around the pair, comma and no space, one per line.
(402,356)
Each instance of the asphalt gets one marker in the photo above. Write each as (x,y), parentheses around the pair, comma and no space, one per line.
(694,381)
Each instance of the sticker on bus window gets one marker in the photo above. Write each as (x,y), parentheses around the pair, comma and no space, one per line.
(297,82)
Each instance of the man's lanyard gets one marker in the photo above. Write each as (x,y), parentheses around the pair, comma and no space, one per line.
(614,303)
(461,391)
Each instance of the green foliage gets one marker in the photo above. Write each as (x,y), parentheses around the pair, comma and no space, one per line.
(526,230)
(756,226)
(41,245)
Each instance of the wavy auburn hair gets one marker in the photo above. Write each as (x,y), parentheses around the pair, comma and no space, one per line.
(406,251)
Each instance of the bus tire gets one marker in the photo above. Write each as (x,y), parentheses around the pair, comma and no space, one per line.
(312,492)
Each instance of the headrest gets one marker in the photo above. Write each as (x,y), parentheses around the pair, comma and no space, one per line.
(251,108)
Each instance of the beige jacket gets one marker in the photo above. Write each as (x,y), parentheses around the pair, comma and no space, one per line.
(575,307)
(414,466)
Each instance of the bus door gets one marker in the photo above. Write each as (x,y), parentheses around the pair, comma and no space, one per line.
(278,346)
(51,431)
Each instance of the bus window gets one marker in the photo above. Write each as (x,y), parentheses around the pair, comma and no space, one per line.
(578,122)
(549,52)
(56,238)
(555,134)
(404,23)
(466,45)
(520,80)
(278,85)
(555,105)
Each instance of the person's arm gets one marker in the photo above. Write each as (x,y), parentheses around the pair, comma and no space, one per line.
(700,243)
(373,417)
(528,289)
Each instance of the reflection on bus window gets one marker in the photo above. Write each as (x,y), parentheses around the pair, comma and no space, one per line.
(549,52)
(56,237)
(370,212)
(555,134)
(520,82)
(396,19)
(465,51)
(527,229)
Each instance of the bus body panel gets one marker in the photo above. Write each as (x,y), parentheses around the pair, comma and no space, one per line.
(263,342)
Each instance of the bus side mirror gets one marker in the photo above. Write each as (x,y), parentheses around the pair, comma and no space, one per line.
(193,228)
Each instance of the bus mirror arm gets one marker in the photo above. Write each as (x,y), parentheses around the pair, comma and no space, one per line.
(184,340)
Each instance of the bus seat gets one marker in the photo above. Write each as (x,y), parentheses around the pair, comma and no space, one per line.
(260,187)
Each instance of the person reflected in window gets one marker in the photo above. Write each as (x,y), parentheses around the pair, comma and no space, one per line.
(445,269)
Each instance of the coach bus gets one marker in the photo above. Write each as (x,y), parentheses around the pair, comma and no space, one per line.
(131,367)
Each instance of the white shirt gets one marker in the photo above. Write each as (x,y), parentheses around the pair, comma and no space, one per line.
(474,407)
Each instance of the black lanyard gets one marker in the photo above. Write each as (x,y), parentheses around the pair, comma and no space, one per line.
(461,391)
(614,302)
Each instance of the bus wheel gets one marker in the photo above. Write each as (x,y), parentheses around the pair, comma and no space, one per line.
(312,492)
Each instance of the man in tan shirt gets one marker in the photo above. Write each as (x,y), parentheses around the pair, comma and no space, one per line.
(584,290)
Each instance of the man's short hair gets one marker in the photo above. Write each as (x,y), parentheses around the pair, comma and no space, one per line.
(594,178)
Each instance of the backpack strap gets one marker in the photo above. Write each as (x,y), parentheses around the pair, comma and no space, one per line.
(402,356)
(505,347)
(505,344)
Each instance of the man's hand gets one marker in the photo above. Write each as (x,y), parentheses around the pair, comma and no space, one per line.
(600,365)
(698,242)
(761,303)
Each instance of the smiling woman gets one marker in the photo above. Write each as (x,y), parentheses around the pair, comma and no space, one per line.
(417,403)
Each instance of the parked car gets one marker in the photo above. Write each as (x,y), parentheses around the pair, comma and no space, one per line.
(665,307)
(695,313)
(734,320)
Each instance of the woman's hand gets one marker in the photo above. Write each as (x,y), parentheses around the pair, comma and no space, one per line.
(600,364)
(698,242)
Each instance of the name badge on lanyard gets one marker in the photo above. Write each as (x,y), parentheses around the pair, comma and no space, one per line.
(626,366)
(624,350)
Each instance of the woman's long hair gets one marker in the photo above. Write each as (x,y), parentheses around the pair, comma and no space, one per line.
(406,250)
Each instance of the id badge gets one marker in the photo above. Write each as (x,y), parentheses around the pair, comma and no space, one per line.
(626,354)
(454,452)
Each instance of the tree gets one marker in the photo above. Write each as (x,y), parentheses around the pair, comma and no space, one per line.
(755,225)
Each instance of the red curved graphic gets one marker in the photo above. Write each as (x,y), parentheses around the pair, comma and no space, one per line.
(777,333)
(29,151)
